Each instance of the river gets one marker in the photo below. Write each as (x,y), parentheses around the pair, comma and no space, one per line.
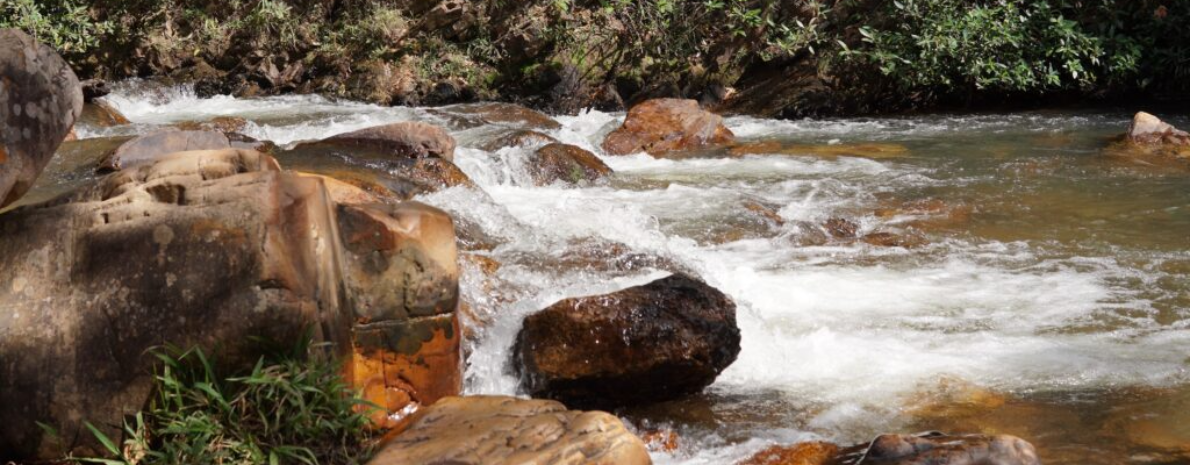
(1044,292)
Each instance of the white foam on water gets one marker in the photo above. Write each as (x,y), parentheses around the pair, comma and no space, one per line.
(852,327)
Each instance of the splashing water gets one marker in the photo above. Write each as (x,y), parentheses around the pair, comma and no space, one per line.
(1047,273)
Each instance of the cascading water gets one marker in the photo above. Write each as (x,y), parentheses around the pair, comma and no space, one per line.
(1065,283)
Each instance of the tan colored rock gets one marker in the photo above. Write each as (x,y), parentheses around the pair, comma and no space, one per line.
(1148,129)
(207,249)
(148,148)
(409,139)
(658,341)
(40,100)
(807,453)
(505,431)
(1152,141)
(565,163)
(666,125)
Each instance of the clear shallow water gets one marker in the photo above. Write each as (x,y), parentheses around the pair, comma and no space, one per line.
(1051,284)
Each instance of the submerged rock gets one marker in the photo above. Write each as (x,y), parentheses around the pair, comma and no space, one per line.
(517,138)
(667,125)
(473,115)
(654,342)
(827,151)
(807,453)
(224,124)
(214,249)
(940,449)
(566,163)
(1150,140)
(40,100)
(505,431)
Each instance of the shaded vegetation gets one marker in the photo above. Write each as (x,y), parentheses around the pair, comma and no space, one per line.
(290,408)
(566,54)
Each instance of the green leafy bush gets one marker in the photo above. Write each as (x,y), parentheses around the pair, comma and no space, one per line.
(288,409)
(1004,45)
(63,24)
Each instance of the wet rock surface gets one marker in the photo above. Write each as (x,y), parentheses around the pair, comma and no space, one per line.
(808,453)
(565,163)
(100,113)
(375,170)
(940,449)
(505,430)
(517,138)
(473,115)
(653,342)
(1152,141)
(412,140)
(667,125)
(40,100)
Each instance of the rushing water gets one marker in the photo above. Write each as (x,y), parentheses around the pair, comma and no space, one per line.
(1047,294)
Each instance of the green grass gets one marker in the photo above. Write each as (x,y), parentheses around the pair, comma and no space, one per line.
(290,408)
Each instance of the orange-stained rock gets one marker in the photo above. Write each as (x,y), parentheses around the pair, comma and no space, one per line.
(661,440)
(344,193)
(401,260)
(404,365)
(490,430)
(765,212)
(666,125)
(841,228)
(102,114)
(806,453)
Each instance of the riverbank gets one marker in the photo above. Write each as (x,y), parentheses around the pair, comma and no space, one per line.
(755,57)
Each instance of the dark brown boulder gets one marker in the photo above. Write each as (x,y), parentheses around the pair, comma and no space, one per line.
(941,449)
(366,162)
(667,125)
(471,115)
(40,100)
(654,342)
(566,163)
(409,139)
